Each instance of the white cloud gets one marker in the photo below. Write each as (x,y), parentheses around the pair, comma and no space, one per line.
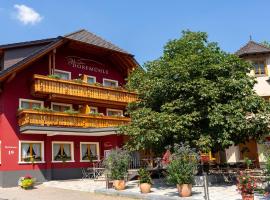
(27,15)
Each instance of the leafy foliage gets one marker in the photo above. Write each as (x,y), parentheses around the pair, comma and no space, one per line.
(183,165)
(145,176)
(194,93)
(116,164)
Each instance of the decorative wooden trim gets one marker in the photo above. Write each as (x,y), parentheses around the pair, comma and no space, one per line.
(82,92)
(61,119)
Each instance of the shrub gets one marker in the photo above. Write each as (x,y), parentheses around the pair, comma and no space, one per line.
(182,166)
(116,164)
(145,176)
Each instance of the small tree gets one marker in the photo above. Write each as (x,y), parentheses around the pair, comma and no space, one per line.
(183,165)
(116,164)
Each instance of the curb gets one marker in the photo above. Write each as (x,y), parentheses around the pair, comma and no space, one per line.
(113,192)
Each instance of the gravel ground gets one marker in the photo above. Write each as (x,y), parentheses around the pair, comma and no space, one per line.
(41,192)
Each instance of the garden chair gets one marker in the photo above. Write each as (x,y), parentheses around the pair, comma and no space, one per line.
(87,174)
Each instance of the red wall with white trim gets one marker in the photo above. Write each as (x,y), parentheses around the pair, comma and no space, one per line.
(20,87)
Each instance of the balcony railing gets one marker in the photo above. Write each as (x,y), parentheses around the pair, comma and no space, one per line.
(60,119)
(70,89)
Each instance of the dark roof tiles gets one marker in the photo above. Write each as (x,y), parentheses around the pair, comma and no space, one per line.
(90,38)
(252,48)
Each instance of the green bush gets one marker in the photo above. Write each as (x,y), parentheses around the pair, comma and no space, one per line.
(116,164)
(145,176)
(182,166)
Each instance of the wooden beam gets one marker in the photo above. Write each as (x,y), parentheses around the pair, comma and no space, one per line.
(11,77)
(54,52)
(50,64)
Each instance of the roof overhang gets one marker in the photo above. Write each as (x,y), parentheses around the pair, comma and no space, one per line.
(52,131)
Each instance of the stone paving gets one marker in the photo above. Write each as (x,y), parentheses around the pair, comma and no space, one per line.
(160,191)
(86,185)
(41,192)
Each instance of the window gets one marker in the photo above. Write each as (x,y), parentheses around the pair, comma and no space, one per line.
(89,151)
(30,104)
(62,152)
(60,107)
(114,112)
(63,74)
(110,83)
(91,79)
(93,110)
(31,151)
(260,68)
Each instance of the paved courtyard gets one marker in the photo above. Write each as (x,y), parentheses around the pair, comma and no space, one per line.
(42,192)
(84,190)
(159,190)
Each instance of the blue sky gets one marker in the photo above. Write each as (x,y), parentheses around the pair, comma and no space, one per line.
(141,27)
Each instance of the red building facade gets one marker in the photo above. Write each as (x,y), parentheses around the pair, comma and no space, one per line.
(61,102)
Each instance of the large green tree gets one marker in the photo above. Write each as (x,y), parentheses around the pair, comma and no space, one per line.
(194,93)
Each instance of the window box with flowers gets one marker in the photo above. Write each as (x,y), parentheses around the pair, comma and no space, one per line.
(246,185)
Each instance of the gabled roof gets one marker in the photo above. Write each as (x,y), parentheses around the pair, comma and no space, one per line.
(252,48)
(92,39)
(44,46)
(27,43)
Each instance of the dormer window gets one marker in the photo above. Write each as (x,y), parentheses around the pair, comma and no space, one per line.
(260,68)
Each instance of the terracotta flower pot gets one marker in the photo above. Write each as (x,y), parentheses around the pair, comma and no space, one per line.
(145,187)
(247,196)
(184,190)
(119,184)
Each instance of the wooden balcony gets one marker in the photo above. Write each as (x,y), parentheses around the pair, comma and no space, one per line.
(60,119)
(70,90)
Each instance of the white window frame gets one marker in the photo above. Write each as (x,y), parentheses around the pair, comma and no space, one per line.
(63,71)
(98,152)
(29,100)
(31,142)
(71,151)
(95,79)
(96,108)
(110,109)
(61,104)
(115,81)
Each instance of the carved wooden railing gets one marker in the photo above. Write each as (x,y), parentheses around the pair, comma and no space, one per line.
(41,118)
(70,88)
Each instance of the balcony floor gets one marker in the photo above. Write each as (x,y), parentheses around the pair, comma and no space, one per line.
(52,130)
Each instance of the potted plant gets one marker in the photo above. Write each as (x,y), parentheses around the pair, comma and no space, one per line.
(116,165)
(145,180)
(181,169)
(26,182)
(246,185)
